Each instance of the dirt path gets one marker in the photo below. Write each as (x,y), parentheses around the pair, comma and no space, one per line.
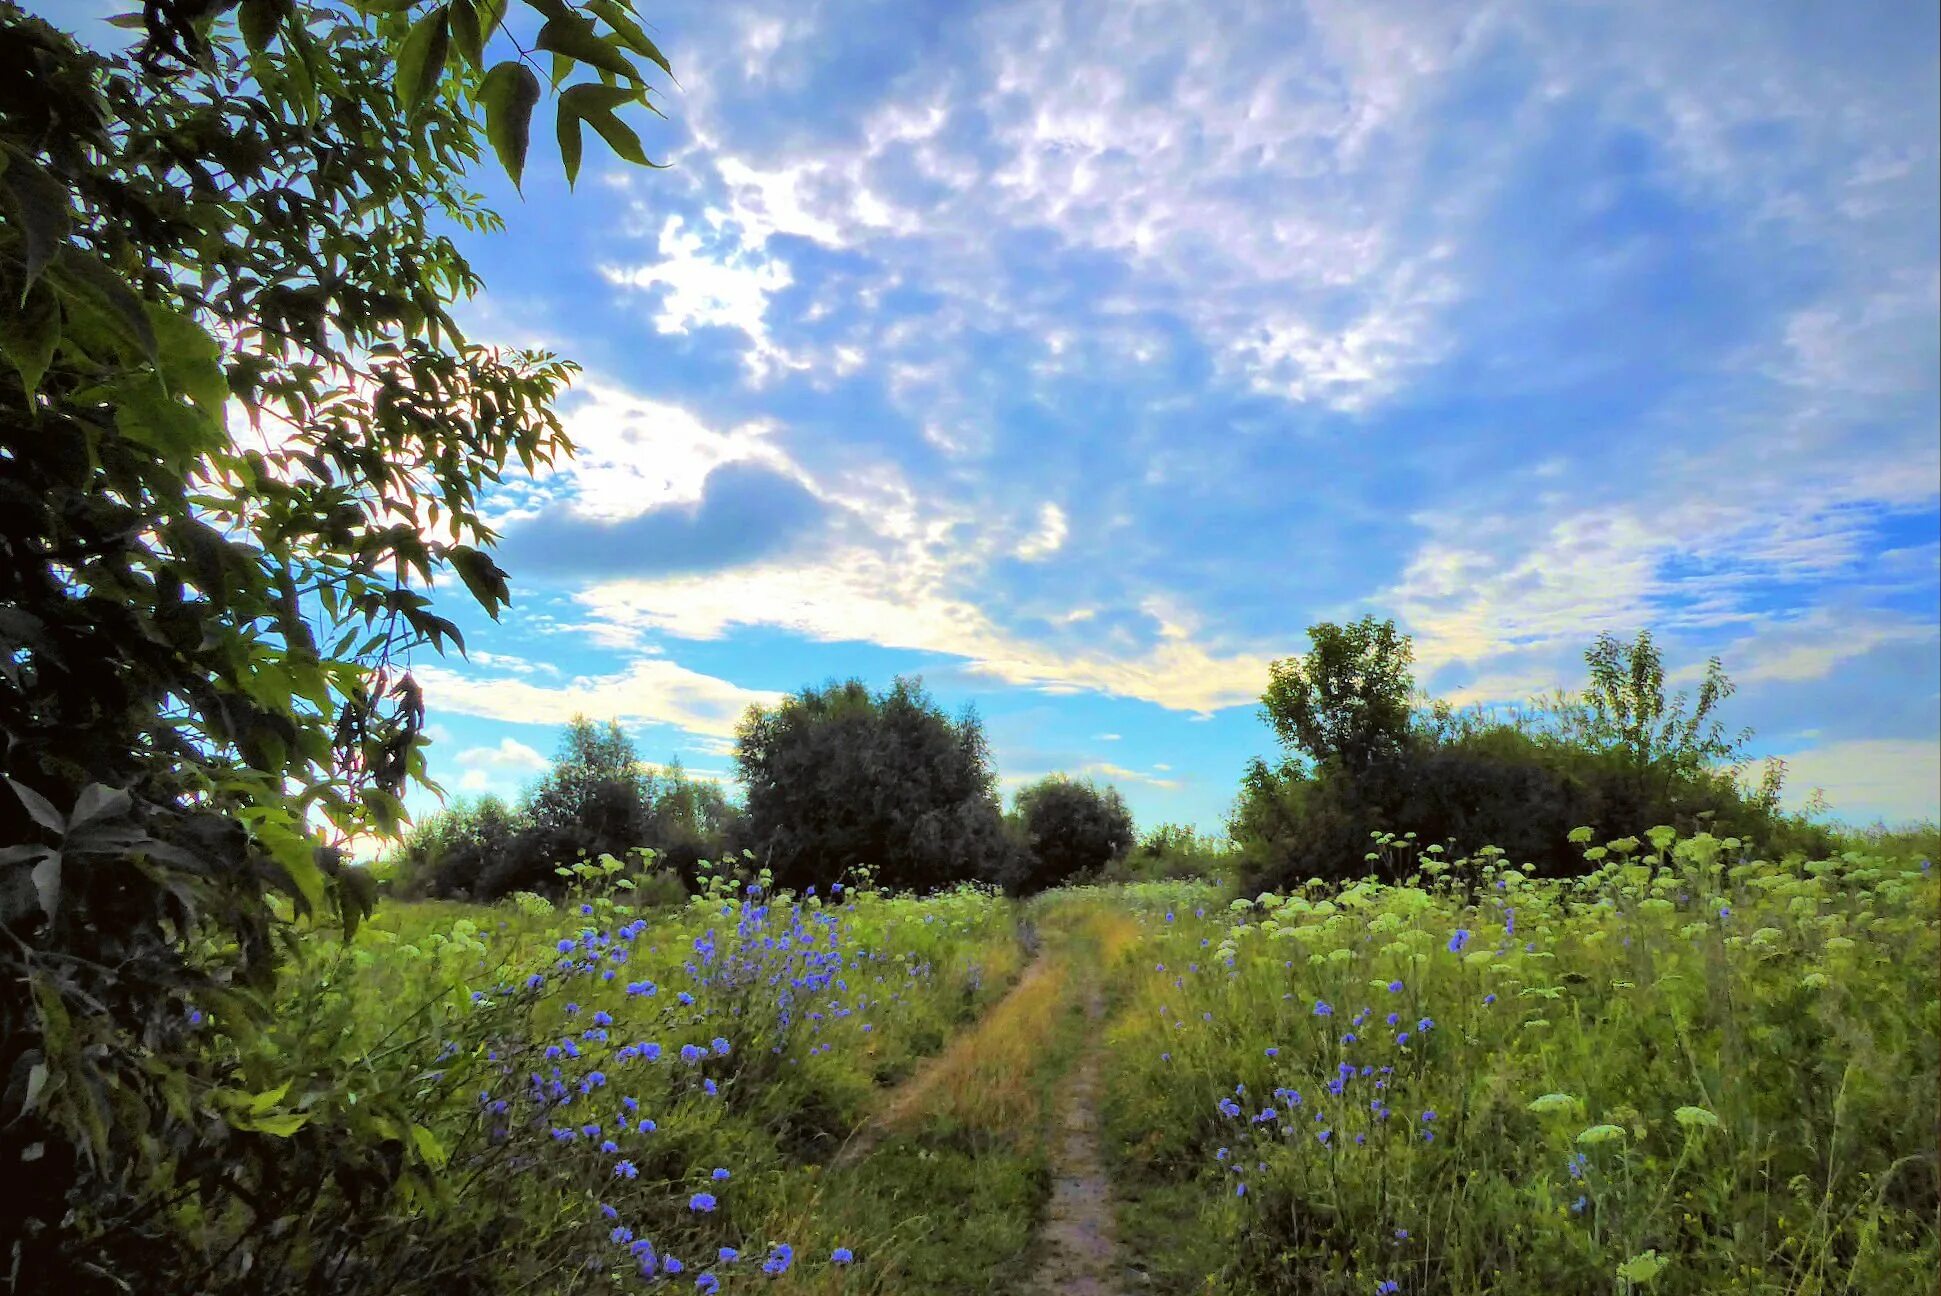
(1080,1248)
(919,1092)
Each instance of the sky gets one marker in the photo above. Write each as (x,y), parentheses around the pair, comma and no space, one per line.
(1078,356)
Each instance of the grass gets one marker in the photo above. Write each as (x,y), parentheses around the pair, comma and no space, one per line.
(1690,1072)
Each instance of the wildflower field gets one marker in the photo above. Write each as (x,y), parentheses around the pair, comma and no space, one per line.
(1689,1072)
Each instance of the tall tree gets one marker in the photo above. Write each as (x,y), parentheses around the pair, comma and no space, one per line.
(1070,827)
(838,777)
(1348,700)
(206,620)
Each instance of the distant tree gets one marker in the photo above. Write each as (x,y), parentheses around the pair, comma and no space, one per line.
(1620,756)
(838,777)
(692,819)
(1070,827)
(1349,699)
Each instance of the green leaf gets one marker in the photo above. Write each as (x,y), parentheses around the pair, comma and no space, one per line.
(428,1146)
(39,808)
(509,92)
(190,359)
(630,32)
(85,282)
(262,1103)
(29,335)
(466,35)
(574,37)
(47,884)
(1642,1268)
(481,575)
(259,20)
(421,59)
(618,135)
(1695,1118)
(567,126)
(280,1126)
(39,203)
(98,802)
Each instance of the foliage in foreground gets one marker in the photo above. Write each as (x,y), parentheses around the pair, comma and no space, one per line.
(1691,1071)
(200,616)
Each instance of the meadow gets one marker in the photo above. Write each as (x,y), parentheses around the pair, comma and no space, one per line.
(1690,1071)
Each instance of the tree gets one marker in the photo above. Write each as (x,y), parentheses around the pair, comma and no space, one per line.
(595,800)
(838,777)
(1070,827)
(1348,700)
(205,625)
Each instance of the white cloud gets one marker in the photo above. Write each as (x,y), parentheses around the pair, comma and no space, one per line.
(708,280)
(651,690)
(1048,539)
(510,755)
(1866,779)
(1120,774)
(1813,646)
(633,454)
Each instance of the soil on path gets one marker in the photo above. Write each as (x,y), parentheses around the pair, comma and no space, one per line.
(1079,1248)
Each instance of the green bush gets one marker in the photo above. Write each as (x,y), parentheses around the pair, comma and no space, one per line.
(839,778)
(1069,827)
(1621,757)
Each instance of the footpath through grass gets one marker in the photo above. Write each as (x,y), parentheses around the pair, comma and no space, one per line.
(949,1178)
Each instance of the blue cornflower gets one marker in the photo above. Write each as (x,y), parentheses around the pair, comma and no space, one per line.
(707,1284)
(1394,987)
(701,1202)
(1387,1287)
(625,1170)
(566,946)
(727,1255)
(686,998)
(779,1259)
(622,1234)
(720,1046)
(842,1255)
(1460,939)
(1488,999)
(1273,1052)
(1321,1008)
(603,1018)
(718,1174)
(672,1265)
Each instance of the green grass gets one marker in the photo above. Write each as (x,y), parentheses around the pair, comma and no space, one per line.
(1633,1089)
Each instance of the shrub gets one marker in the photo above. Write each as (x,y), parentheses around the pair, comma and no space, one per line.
(1621,757)
(838,778)
(1070,827)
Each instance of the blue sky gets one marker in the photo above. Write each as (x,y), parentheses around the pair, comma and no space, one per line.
(1078,356)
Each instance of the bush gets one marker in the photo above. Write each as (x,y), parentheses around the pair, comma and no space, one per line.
(1621,757)
(838,778)
(598,799)
(1174,853)
(1069,828)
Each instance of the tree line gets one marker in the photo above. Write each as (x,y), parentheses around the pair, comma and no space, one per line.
(839,780)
